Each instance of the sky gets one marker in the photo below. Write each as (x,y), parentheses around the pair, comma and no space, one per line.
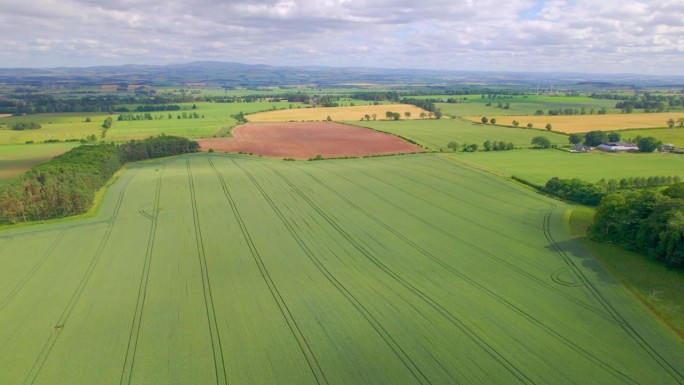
(606,36)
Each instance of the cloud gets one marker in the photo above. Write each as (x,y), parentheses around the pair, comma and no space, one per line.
(516,35)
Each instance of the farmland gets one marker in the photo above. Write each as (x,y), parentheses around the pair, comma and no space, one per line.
(16,159)
(584,123)
(436,133)
(538,166)
(349,113)
(308,140)
(226,269)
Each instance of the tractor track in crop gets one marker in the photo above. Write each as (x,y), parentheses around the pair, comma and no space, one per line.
(443,209)
(449,316)
(216,346)
(605,304)
(481,250)
(71,304)
(136,322)
(298,335)
(482,288)
(396,348)
(20,285)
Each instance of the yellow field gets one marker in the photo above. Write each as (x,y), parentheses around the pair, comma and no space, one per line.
(584,123)
(335,113)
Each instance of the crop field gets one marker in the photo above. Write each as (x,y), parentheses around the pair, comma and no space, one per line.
(522,105)
(217,269)
(349,113)
(16,159)
(435,134)
(538,166)
(666,135)
(305,140)
(585,123)
(217,121)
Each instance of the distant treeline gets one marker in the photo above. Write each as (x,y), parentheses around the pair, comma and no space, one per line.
(647,221)
(591,194)
(163,107)
(647,101)
(24,126)
(67,184)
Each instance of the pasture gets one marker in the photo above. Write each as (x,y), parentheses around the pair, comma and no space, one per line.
(584,123)
(215,120)
(538,166)
(16,159)
(666,135)
(338,114)
(522,105)
(216,269)
(435,134)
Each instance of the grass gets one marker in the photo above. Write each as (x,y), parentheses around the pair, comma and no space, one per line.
(335,113)
(585,123)
(666,135)
(435,134)
(538,166)
(217,121)
(17,159)
(394,270)
(656,285)
(523,105)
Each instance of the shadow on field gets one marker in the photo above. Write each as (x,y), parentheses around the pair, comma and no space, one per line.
(571,252)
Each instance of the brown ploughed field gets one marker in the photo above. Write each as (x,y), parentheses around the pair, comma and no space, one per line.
(306,140)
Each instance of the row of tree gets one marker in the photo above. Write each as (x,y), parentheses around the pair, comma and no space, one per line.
(67,184)
(647,221)
(591,194)
(24,126)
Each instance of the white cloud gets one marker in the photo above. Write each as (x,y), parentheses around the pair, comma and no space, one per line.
(516,35)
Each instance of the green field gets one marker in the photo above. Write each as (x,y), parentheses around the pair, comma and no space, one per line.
(666,135)
(538,166)
(523,105)
(64,126)
(216,269)
(16,159)
(437,133)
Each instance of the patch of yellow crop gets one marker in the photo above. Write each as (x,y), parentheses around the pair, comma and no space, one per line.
(584,123)
(336,113)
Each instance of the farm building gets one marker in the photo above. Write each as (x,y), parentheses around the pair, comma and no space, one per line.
(618,146)
(581,148)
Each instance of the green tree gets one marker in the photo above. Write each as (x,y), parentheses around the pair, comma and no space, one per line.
(614,136)
(541,142)
(484,120)
(407,114)
(594,138)
(670,122)
(548,127)
(530,125)
(649,144)
(487,145)
(516,123)
(452,146)
(493,121)
(575,139)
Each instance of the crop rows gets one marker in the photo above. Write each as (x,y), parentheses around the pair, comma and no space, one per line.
(216,269)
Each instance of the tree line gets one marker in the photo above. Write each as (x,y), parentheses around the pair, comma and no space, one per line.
(67,184)
(648,221)
(591,194)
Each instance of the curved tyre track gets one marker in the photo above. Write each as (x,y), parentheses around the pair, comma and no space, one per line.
(670,369)
(482,288)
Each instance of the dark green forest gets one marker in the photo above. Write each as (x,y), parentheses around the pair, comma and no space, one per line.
(67,184)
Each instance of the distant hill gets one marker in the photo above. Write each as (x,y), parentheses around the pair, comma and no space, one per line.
(249,75)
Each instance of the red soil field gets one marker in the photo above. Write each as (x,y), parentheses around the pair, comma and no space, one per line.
(306,140)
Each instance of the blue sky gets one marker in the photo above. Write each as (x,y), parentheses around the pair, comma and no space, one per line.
(608,36)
